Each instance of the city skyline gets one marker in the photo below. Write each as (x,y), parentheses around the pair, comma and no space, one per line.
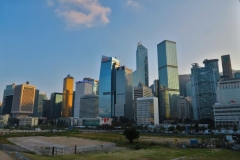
(37,52)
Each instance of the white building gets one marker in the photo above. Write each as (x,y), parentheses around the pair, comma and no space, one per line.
(227,108)
(32,121)
(147,111)
(82,88)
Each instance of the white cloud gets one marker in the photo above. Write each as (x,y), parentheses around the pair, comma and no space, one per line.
(50,3)
(82,13)
(133,3)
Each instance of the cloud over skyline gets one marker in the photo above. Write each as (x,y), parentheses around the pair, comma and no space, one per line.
(81,13)
(133,3)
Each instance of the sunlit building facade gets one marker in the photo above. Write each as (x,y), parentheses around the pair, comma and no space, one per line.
(168,79)
(107,86)
(141,72)
(23,100)
(67,100)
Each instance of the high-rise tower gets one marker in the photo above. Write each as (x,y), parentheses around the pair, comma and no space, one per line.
(226,66)
(67,100)
(141,72)
(23,100)
(168,79)
(107,86)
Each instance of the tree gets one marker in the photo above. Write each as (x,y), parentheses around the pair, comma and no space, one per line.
(162,129)
(171,128)
(131,134)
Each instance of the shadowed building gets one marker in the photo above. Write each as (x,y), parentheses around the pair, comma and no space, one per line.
(141,72)
(183,80)
(226,66)
(67,101)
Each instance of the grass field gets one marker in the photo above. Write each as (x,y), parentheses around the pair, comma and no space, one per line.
(151,153)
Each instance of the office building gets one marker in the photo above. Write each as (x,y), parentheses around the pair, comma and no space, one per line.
(227,108)
(189,89)
(82,88)
(30,121)
(147,111)
(226,66)
(237,75)
(140,91)
(89,106)
(107,86)
(41,97)
(23,100)
(7,99)
(204,86)
(155,87)
(183,80)
(168,79)
(141,72)
(0,108)
(35,108)
(56,105)
(67,101)
(46,112)
(94,84)
(124,93)
(184,107)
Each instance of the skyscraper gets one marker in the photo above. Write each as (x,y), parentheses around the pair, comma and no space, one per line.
(107,86)
(204,85)
(124,93)
(89,106)
(82,88)
(168,79)
(35,108)
(7,99)
(41,97)
(23,100)
(226,66)
(94,84)
(141,72)
(183,80)
(67,100)
(56,105)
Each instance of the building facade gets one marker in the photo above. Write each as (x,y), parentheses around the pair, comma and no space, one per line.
(141,73)
(56,105)
(183,80)
(124,93)
(35,108)
(23,100)
(168,79)
(204,87)
(107,86)
(147,111)
(42,96)
(237,75)
(7,99)
(189,89)
(82,88)
(226,66)
(140,91)
(89,106)
(95,85)
(46,112)
(67,101)
(184,107)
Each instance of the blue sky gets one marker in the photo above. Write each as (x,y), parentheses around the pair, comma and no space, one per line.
(44,40)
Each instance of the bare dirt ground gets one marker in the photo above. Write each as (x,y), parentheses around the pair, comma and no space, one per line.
(165,139)
(5,156)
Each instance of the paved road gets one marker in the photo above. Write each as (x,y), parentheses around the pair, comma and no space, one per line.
(5,156)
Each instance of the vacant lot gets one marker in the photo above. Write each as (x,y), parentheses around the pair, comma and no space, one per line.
(152,153)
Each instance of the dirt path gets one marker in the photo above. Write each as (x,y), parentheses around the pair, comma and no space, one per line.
(5,156)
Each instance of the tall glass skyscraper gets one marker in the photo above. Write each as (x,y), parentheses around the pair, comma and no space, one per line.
(168,79)
(107,86)
(141,72)
(67,99)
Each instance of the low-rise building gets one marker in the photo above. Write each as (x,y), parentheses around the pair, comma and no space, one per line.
(32,121)
(226,115)
(4,120)
(147,111)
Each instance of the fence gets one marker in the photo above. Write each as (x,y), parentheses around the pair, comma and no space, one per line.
(13,151)
(50,151)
